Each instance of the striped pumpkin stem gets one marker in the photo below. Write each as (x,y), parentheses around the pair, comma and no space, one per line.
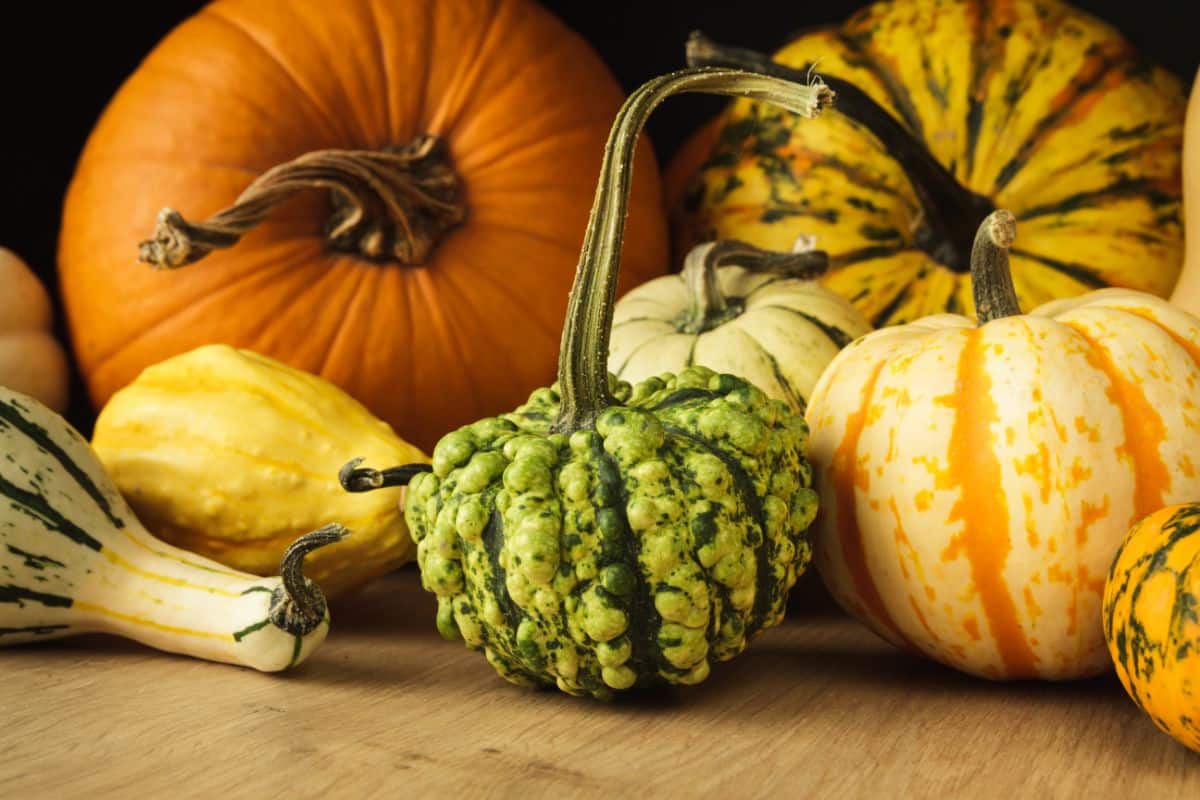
(951,213)
(991,277)
(298,606)
(583,357)
(708,306)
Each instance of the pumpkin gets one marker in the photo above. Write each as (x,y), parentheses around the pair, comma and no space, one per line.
(946,110)
(31,359)
(736,309)
(977,479)
(440,134)
(1187,292)
(606,536)
(232,455)
(76,560)
(1150,619)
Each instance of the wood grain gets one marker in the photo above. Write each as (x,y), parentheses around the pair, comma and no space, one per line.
(818,707)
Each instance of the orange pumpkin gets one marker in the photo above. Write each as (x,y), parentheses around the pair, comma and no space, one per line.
(432,286)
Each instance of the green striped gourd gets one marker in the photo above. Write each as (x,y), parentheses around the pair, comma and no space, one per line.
(74,559)
(606,536)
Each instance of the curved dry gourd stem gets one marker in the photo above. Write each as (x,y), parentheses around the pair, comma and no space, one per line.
(991,277)
(583,357)
(354,478)
(388,205)
(951,212)
(708,306)
(298,606)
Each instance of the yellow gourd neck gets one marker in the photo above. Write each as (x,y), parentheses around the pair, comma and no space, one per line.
(1187,291)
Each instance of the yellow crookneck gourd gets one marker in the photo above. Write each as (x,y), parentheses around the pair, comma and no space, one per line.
(1187,291)
(231,454)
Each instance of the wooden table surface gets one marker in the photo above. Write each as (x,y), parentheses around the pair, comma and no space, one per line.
(817,707)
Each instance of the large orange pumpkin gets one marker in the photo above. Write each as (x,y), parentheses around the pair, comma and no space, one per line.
(441,304)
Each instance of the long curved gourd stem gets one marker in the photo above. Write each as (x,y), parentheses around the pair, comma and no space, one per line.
(583,357)
(708,306)
(389,205)
(951,212)
(991,277)
(354,478)
(298,606)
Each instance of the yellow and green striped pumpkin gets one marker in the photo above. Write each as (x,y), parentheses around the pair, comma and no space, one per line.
(1029,105)
(1152,619)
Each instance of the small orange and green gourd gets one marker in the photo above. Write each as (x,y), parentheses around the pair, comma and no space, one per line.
(1152,619)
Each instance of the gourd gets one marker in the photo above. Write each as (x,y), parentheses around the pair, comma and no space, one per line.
(31,359)
(373,158)
(76,560)
(946,110)
(1187,292)
(232,455)
(977,479)
(1150,620)
(606,536)
(736,309)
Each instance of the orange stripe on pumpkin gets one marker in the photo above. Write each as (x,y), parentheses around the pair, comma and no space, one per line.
(1192,349)
(983,508)
(1144,429)
(847,478)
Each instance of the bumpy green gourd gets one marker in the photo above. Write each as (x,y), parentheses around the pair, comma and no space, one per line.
(605,536)
(626,555)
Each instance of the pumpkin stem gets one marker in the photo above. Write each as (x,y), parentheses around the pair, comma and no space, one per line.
(991,278)
(950,212)
(298,606)
(393,204)
(708,306)
(364,479)
(583,357)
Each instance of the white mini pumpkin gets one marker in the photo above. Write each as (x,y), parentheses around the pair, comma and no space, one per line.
(738,309)
(31,359)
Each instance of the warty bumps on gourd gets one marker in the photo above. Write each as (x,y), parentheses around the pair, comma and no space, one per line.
(606,536)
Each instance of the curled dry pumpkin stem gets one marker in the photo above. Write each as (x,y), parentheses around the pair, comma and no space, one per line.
(298,606)
(708,306)
(388,205)
(354,478)
(991,277)
(951,213)
(583,356)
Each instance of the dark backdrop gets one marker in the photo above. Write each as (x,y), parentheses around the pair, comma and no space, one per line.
(60,63)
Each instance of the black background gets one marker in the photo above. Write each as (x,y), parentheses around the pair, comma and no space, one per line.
(61,62)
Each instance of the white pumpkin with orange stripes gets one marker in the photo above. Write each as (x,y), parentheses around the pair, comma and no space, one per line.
(74,559)
(977,479)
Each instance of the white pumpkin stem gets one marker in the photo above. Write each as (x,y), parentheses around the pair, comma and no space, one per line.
(393,204)
(991,277)
(583,357)
(708,306)
(298,606)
